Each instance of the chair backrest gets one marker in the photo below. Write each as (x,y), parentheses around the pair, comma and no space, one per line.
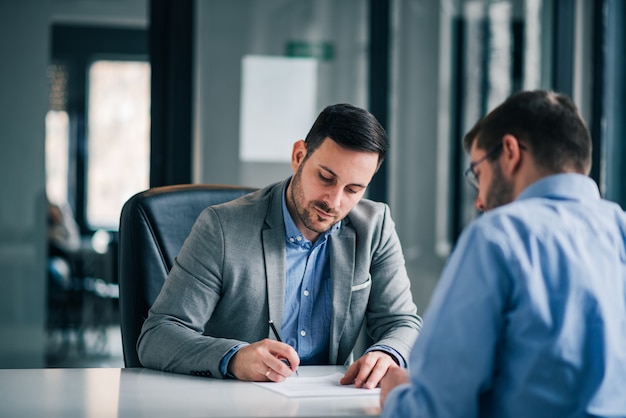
(153,226)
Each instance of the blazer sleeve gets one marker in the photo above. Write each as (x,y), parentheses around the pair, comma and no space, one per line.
(172,337)
(391,316)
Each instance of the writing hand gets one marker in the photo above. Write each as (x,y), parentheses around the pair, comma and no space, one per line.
(368,371)
(265,360)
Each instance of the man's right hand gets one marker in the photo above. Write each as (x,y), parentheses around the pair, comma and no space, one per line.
(265,360)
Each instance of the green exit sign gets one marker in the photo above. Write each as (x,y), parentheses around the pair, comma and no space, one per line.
(304,49)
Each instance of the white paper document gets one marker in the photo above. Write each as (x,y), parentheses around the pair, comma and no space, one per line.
(328,385)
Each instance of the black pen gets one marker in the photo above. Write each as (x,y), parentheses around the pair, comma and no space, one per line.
(277,335)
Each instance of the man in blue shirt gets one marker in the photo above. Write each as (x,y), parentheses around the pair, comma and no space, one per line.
(308,253)
(529,317)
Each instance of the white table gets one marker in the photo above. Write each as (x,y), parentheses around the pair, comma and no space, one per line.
(110,392)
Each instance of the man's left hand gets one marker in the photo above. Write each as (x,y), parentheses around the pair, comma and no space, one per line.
(368,371)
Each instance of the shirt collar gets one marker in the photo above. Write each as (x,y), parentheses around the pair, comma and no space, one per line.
(566,186)
(293,234)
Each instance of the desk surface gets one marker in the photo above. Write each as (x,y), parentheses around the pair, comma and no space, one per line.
(149,393)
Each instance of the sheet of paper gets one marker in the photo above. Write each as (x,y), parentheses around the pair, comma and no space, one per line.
(328,385)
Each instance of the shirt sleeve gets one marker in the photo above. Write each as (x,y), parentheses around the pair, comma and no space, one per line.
(391,351)
(452,360)
(226,359)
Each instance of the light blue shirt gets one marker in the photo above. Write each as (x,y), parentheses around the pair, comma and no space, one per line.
(308,300)
(529,317)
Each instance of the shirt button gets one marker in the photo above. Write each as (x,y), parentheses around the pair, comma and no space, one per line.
(303,333)
(306,293)
(291,240)
(299,238)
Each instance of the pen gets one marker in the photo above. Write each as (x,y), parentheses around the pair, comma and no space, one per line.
(277,335)
(275,331)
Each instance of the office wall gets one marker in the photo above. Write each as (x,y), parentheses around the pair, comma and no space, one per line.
(101,12)
(24,51)
(419,173)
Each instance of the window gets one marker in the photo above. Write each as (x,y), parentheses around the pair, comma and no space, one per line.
(57,137)
(57,149)
(118,146)
(98,127)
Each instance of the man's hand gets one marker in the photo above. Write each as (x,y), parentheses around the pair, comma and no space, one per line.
(367,371)
(392,379)
(266,360)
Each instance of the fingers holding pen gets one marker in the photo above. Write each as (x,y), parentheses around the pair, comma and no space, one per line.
(265,360)
(284,360)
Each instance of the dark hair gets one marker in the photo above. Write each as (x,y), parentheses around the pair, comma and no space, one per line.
(548,123)
(351,127)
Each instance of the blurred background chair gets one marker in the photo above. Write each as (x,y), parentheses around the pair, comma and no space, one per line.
(64,320)
(82,290)
(153,227)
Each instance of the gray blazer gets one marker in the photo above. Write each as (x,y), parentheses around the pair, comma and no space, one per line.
(229,280)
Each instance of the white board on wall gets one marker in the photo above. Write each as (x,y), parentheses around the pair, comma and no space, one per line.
(278,105)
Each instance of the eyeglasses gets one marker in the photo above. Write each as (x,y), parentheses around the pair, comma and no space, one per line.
(469,173)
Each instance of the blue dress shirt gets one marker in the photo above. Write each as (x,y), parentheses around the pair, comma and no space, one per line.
(308,301)
(529,317)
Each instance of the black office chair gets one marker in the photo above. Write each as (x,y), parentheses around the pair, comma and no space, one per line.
(153,227)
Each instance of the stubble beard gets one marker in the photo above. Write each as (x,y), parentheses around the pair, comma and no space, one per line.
(501,190)
(306,211)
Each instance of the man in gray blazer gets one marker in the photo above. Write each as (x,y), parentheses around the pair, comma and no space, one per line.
(308,254)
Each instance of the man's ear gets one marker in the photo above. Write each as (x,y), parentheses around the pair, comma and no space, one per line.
(298,153)
(512,154)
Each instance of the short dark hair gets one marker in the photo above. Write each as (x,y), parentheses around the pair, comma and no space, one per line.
(548,123)
(350,127)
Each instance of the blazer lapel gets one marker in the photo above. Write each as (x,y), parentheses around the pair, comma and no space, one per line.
(274,250)
(342,257)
